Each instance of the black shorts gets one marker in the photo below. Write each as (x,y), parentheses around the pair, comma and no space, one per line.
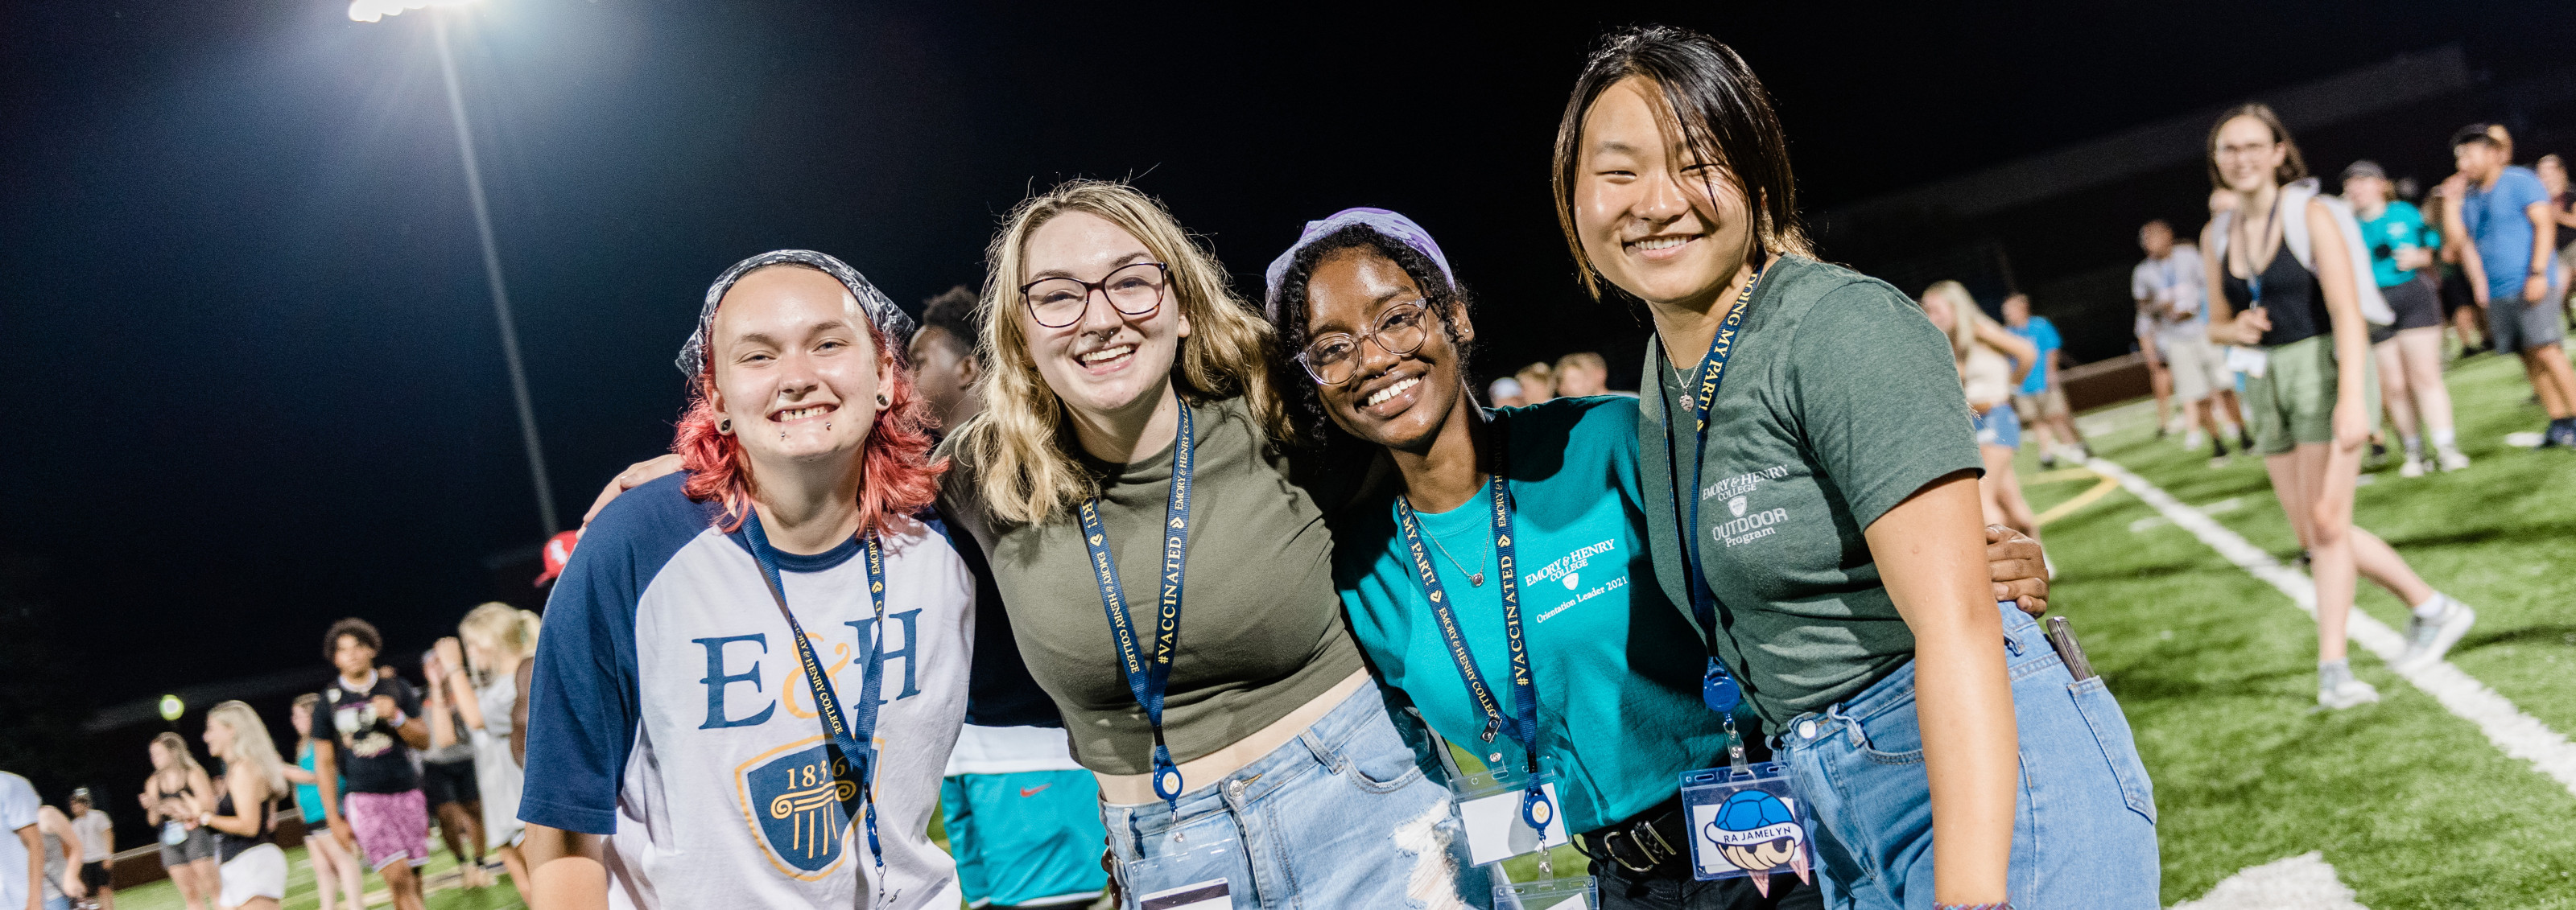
(449,782)
(2455,293)
(2416,304)
(95,875)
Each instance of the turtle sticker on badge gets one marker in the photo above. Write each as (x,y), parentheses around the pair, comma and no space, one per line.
(1747,822)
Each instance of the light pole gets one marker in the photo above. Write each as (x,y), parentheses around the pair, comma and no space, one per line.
(376,10)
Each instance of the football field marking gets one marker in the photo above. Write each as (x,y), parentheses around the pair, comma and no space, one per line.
(2302,882)
(2520,735)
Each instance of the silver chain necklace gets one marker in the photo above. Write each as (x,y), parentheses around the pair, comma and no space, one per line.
(1475,578)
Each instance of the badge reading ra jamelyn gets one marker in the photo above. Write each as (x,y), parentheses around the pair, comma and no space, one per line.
(1757,832)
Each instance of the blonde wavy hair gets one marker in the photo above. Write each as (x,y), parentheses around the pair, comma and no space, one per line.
(499,628)
(252,749)
(1964,315)
(1020,448)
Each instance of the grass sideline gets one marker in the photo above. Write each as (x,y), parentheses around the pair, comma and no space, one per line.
(2410,804)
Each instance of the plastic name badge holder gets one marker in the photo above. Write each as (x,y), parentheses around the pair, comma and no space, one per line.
(1490,809)
(1548,894)
(1747,821)
(1198,868)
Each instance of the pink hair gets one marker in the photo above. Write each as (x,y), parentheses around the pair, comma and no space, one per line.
(897,477)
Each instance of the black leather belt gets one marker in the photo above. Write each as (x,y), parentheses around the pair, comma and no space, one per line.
(1642,844)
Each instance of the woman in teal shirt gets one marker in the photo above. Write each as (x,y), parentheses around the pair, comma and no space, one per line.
(1382,331)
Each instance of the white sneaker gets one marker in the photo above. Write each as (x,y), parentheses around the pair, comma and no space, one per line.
(2412,468)
(2452,460)
(2428,639)
(2347,693)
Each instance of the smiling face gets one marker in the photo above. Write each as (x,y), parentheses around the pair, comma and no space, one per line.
(219,738)
(2249,156)
(1397,401)
(1656,219)
(796,370)
(161,757)
(1106,362)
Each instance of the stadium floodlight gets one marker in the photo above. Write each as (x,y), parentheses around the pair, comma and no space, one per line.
(375,11)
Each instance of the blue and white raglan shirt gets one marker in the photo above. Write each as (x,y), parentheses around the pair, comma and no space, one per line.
(668,710)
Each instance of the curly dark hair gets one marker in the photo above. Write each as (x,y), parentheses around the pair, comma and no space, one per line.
(1289,310)
(352,627)
(958,312)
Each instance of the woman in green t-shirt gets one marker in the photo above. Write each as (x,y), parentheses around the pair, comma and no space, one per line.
(1382,332)
(1815,413)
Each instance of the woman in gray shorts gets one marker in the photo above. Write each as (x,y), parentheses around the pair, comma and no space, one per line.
(187,850)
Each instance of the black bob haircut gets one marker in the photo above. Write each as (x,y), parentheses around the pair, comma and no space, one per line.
(1289,312)
(352,627)
(1720,113)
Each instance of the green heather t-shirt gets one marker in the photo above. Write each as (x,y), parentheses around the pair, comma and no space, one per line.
(1841,401)
(1261,630)
(1616,667)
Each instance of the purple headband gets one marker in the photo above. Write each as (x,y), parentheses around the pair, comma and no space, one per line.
(1387,224)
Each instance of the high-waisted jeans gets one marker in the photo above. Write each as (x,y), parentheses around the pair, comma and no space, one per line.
(1340,817)
(2084,822)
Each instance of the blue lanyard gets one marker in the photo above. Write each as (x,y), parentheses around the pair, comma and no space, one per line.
(1717,688)
(1150,673)
(855,740)
(1522,728)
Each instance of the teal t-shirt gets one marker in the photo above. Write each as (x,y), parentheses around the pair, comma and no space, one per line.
(2400,226)
(1841,402)
(1616,667)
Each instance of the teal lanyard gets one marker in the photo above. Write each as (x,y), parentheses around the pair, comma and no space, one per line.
(855,740)
(1523,726)
(1149,672)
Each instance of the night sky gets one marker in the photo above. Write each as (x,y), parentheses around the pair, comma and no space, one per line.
(257,376)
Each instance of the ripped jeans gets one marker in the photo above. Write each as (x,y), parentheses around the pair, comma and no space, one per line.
(2084,824)
(1339,817)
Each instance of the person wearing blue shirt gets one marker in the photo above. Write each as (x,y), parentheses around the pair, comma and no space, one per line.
(2041,399)
(2409,350)
(1382,331)
(2508,232)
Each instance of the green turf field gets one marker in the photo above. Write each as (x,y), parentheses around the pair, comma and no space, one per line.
(2412,805)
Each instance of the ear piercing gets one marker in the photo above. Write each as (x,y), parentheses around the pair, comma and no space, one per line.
(725,426)
(882,400)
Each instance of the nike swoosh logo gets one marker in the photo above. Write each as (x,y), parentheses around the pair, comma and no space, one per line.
(1033,791)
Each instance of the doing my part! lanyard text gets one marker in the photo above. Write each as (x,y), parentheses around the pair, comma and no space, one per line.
(853,738)
(1149,666)
(1522,726)
(1718,688)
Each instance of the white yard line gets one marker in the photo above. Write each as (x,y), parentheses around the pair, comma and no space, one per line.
(2520,735)
(2302,882)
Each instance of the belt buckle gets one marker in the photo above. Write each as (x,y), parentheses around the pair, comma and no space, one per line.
(1645,852)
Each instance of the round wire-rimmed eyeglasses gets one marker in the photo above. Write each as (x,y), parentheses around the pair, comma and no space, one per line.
(1330,359)
(1135,289)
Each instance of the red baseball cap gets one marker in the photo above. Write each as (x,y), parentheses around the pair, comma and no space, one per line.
(558,550)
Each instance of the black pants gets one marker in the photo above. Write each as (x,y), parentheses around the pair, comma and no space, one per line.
(1671,887)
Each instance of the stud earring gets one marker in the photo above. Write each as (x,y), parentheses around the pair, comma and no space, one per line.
(883,401)
(782,434)
(827,426)
(724,427)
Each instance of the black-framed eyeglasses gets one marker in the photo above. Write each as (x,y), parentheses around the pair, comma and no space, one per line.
(1399,331)
(1135,289)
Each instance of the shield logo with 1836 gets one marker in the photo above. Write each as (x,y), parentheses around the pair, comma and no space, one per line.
(800,801)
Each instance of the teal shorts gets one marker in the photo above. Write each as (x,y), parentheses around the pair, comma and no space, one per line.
(1032,837)
(2292,403)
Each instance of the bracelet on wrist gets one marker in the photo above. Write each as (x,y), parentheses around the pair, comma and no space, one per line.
(2005,905)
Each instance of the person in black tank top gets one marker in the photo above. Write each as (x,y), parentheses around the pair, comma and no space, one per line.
(2292,299)
(2312,399)
(253,871)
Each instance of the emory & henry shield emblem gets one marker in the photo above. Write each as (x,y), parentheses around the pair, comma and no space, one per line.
(1736,506)
(798,806)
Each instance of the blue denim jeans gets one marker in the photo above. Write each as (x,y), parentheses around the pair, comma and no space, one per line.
(1340,817)
(2084,823)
